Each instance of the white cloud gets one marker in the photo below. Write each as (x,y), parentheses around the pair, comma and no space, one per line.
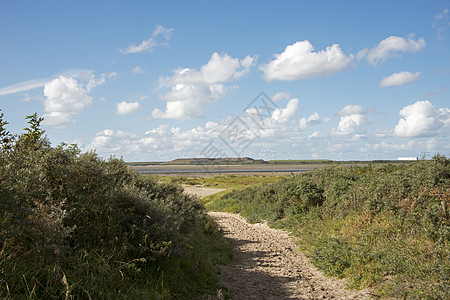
(66,96)
(394,147)
(280,96)
(391,47)
(361,54)
(316,135)
(192,90)
(23,86)
(441,15)
(57,119)
(127,108)
(441,23)
(352,122)
(276,122)
(137,70)
(422,119)
(284,115)
(160,37)
(313,119)
(299,61)
(162,139)
(398,79)
(172,141)
(111,141)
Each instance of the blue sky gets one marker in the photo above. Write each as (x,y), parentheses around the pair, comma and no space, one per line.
(157,80)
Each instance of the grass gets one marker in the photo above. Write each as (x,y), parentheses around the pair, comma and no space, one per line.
(220,182)
(385,227)
(300,161)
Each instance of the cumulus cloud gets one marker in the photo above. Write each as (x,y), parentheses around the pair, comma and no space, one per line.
(353,119)
(422,119)
(172,140)
(191,90)
(398,79)
(127,108)
(299,61)
(160,37)
(162,139)
(313,119)
(391,47)
(64,97)
(67,96)
(271,122)
(284,115)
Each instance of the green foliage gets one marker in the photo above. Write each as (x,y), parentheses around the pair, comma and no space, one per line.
(222,181)
(385,226)
(74,225)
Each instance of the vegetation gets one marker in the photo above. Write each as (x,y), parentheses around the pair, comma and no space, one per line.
(382,226)
(300,161)
(222,181)
(75,226)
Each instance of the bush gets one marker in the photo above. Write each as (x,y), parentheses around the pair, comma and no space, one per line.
(74,225)
(383,226)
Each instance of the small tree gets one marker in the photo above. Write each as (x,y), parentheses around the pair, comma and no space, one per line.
(5,136)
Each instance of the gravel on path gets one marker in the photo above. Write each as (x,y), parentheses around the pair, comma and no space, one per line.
(267,265)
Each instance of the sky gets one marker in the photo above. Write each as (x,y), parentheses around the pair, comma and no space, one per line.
(159,80)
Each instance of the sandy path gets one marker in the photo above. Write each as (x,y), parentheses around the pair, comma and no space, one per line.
(200,191)
(267,264)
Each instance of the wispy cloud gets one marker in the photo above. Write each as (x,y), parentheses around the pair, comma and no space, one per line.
(441,23)
(160,37)
(441,15)
(23,86)
(137,70)
(281,96)
(433,93)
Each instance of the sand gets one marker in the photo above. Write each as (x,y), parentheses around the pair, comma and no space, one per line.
(268,265)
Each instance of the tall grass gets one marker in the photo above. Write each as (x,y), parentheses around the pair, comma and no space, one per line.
(386,227)
(75,226)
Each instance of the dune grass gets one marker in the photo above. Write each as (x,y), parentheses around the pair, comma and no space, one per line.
(385,227)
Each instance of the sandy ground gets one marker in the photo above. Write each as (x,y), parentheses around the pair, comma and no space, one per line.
(268,265)
(200,191)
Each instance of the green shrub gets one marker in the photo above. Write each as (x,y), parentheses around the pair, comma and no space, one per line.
(75,225)
(381,226)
